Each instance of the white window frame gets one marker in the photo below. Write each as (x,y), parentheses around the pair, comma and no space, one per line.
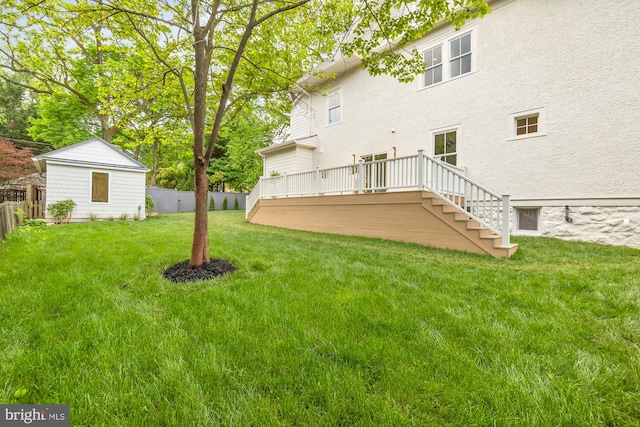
(514,117)
(108,187)
(445,130)
(331,93)
(516,222)
(444,43)
(433,67)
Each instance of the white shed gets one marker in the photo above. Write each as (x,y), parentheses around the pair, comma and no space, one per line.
(99,177)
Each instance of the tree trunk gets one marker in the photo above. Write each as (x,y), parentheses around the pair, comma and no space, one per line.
(200,247)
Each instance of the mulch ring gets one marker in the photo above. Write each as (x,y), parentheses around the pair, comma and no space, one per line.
(181,273)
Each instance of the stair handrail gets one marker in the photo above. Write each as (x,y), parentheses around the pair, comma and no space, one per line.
(419,171)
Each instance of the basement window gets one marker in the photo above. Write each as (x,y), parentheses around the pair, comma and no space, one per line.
(528,220)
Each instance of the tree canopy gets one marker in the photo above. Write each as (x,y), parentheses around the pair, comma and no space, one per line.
(199,64)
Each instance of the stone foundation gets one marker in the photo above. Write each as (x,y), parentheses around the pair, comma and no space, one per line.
(598,224)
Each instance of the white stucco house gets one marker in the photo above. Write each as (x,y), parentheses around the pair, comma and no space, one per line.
(99,177)
(539,100)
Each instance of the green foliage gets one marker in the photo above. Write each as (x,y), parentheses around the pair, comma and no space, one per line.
(16,108)
(381,33)
(212,203)
(63,120)
(19,214)
(180,177)
(236,203)
(61,210)
(149,203)
(225,202)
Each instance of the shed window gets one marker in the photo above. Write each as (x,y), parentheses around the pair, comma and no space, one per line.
(100,187)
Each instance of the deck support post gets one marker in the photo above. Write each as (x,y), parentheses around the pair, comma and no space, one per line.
(318,180)
(506,208)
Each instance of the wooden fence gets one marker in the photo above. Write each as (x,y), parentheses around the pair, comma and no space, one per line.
(8,219)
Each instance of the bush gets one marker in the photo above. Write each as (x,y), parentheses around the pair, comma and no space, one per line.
(236,204)
(149,203)
(61,210)
(212,204)
(225,202)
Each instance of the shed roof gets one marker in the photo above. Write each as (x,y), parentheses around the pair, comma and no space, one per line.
(94,152)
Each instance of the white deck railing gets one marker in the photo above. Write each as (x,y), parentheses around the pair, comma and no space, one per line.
(420,172)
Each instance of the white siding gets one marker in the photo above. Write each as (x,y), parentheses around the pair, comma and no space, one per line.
(574,59)
(300,119)
(289,160)
(126,191)
(94,151)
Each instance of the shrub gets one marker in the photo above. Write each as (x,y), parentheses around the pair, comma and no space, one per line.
(124,216)
(149,203)
(136,216)
(225,202)
(236,204)
(110,218)
(61,210)
(93,217)
(212,203)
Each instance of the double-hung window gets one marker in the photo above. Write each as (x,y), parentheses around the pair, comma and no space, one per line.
(460,55)
(449,59)
(334,107)
(445,147)
(433,60)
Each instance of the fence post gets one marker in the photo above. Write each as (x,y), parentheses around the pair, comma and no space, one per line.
(506,214)
(361,176)
(421,170)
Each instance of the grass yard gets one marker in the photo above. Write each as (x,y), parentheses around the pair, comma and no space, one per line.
(316,329)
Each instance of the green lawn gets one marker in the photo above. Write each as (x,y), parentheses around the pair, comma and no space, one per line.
(316,329)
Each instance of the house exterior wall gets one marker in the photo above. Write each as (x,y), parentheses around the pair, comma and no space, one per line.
(126,191)
(531,55)
(288,160)
(573,62)
(300,118)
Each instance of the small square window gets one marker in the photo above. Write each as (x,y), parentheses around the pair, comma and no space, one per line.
(527,219)
(527,125)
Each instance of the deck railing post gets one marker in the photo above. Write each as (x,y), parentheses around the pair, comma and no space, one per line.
(361,176)
(318,187)
(506,214)
(421,170)
(286,185)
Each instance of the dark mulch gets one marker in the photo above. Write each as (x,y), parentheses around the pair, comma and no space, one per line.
(181,272)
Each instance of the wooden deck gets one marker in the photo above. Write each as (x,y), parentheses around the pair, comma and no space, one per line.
(412,216)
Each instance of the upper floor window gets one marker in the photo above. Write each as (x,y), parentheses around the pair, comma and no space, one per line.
(334,107)
(445,147)
(433,59)
(460,55)
(449,59)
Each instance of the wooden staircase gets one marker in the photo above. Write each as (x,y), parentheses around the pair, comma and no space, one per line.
(467,227)
(413,216)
